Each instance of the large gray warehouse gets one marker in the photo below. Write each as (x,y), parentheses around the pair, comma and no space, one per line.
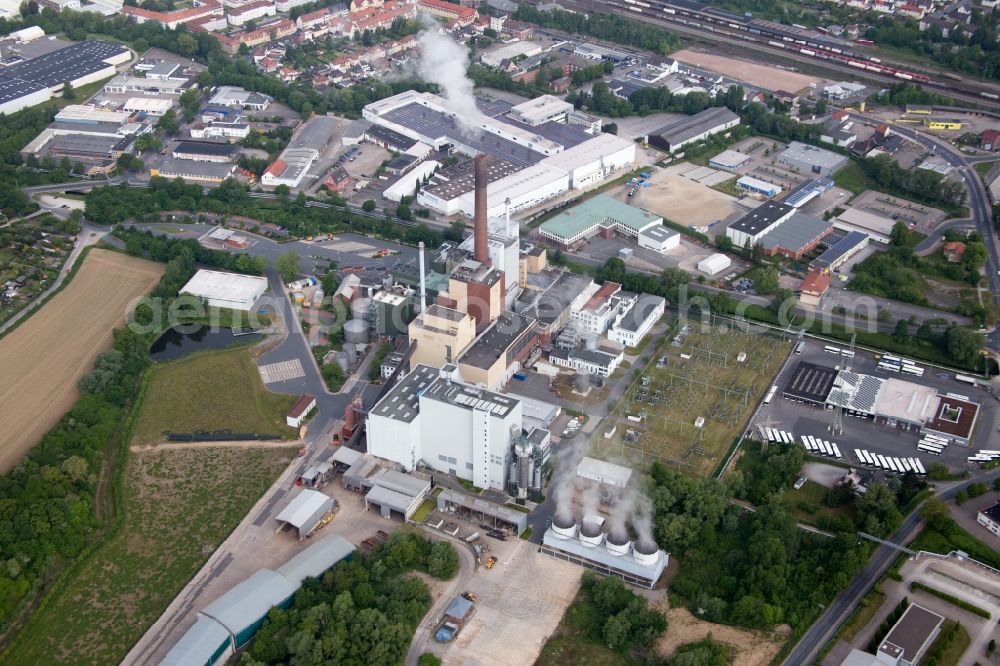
(694,128)
(804,158)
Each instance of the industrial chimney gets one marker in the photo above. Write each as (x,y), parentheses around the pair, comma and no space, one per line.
(423,280)
(479,229)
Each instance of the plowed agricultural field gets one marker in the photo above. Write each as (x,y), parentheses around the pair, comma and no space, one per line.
(42,359)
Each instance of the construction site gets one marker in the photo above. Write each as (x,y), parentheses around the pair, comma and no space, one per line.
(688,408)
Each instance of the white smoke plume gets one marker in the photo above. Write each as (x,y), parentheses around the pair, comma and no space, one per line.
(565,479)
(591,498)
(621,512)
(642,517)
(446,62)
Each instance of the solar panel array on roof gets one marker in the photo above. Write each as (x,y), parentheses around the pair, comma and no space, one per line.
(435,125)
(16,89)
(493,108)
(565,135)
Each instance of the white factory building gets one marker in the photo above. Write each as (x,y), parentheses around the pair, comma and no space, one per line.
(226,290)
(433,418)
(541,148)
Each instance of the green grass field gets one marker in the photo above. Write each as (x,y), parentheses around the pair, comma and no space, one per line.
(179,505)
(210,391)
(711,384)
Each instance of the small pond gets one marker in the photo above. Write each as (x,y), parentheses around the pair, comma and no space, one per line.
(181,341)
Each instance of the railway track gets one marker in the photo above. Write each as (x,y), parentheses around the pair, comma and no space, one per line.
(963,91)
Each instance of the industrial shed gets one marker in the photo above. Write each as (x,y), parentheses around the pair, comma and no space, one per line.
(226,290)
(604,472)
(243,608)
(394,491)
(305,511)
(317,558)
(206,643)
(231,621)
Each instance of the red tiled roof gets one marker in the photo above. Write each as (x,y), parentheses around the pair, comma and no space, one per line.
(276,167)
(299,408)
(816,283)
(459,12)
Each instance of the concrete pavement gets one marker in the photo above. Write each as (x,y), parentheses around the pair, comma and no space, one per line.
(826,625)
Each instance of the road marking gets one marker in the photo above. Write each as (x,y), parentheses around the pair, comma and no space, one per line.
(282,371)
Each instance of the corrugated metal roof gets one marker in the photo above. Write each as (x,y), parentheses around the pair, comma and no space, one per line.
(250,600)
(317,558)
(303,507)
(198,645)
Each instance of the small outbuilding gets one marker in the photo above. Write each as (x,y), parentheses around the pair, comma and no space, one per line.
(715,263)
(300,411)
(305,511)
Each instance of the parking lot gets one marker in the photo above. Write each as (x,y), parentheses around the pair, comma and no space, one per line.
(802,419)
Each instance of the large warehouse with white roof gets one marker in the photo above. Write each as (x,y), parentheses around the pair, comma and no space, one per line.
(537,151)
(226,290)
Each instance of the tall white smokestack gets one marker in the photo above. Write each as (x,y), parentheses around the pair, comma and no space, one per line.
(506,227)
(423,280)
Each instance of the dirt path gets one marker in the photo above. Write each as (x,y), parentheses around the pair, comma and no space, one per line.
(750,648)
(236,444)
(43,359)
(768,77)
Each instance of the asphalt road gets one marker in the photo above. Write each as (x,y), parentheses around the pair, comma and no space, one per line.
(980,210)
(823,629)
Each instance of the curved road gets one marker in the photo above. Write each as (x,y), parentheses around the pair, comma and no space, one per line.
(981,212)
(826,625)
(457,585)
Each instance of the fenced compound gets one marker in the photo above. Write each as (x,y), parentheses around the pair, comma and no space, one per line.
(687,413)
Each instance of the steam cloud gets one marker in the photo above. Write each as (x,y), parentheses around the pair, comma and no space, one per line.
(446,62)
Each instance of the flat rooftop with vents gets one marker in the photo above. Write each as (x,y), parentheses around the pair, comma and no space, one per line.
(911,636)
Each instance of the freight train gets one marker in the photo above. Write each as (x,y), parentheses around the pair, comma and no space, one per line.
(744,27)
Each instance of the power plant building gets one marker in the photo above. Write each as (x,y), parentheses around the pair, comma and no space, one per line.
(431,417)
(441,335)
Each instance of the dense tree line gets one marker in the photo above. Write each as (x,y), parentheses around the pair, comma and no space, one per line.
(919,184)
(362,611)
(750,569)
(610,27)
(116,204)
(593,72)
(608,613)
(144,243)
(665,284)
(901,94)
(48,501)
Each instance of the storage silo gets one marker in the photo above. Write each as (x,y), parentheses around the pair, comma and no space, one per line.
(356,331)
(344,361)
(582,381)
(360,308)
